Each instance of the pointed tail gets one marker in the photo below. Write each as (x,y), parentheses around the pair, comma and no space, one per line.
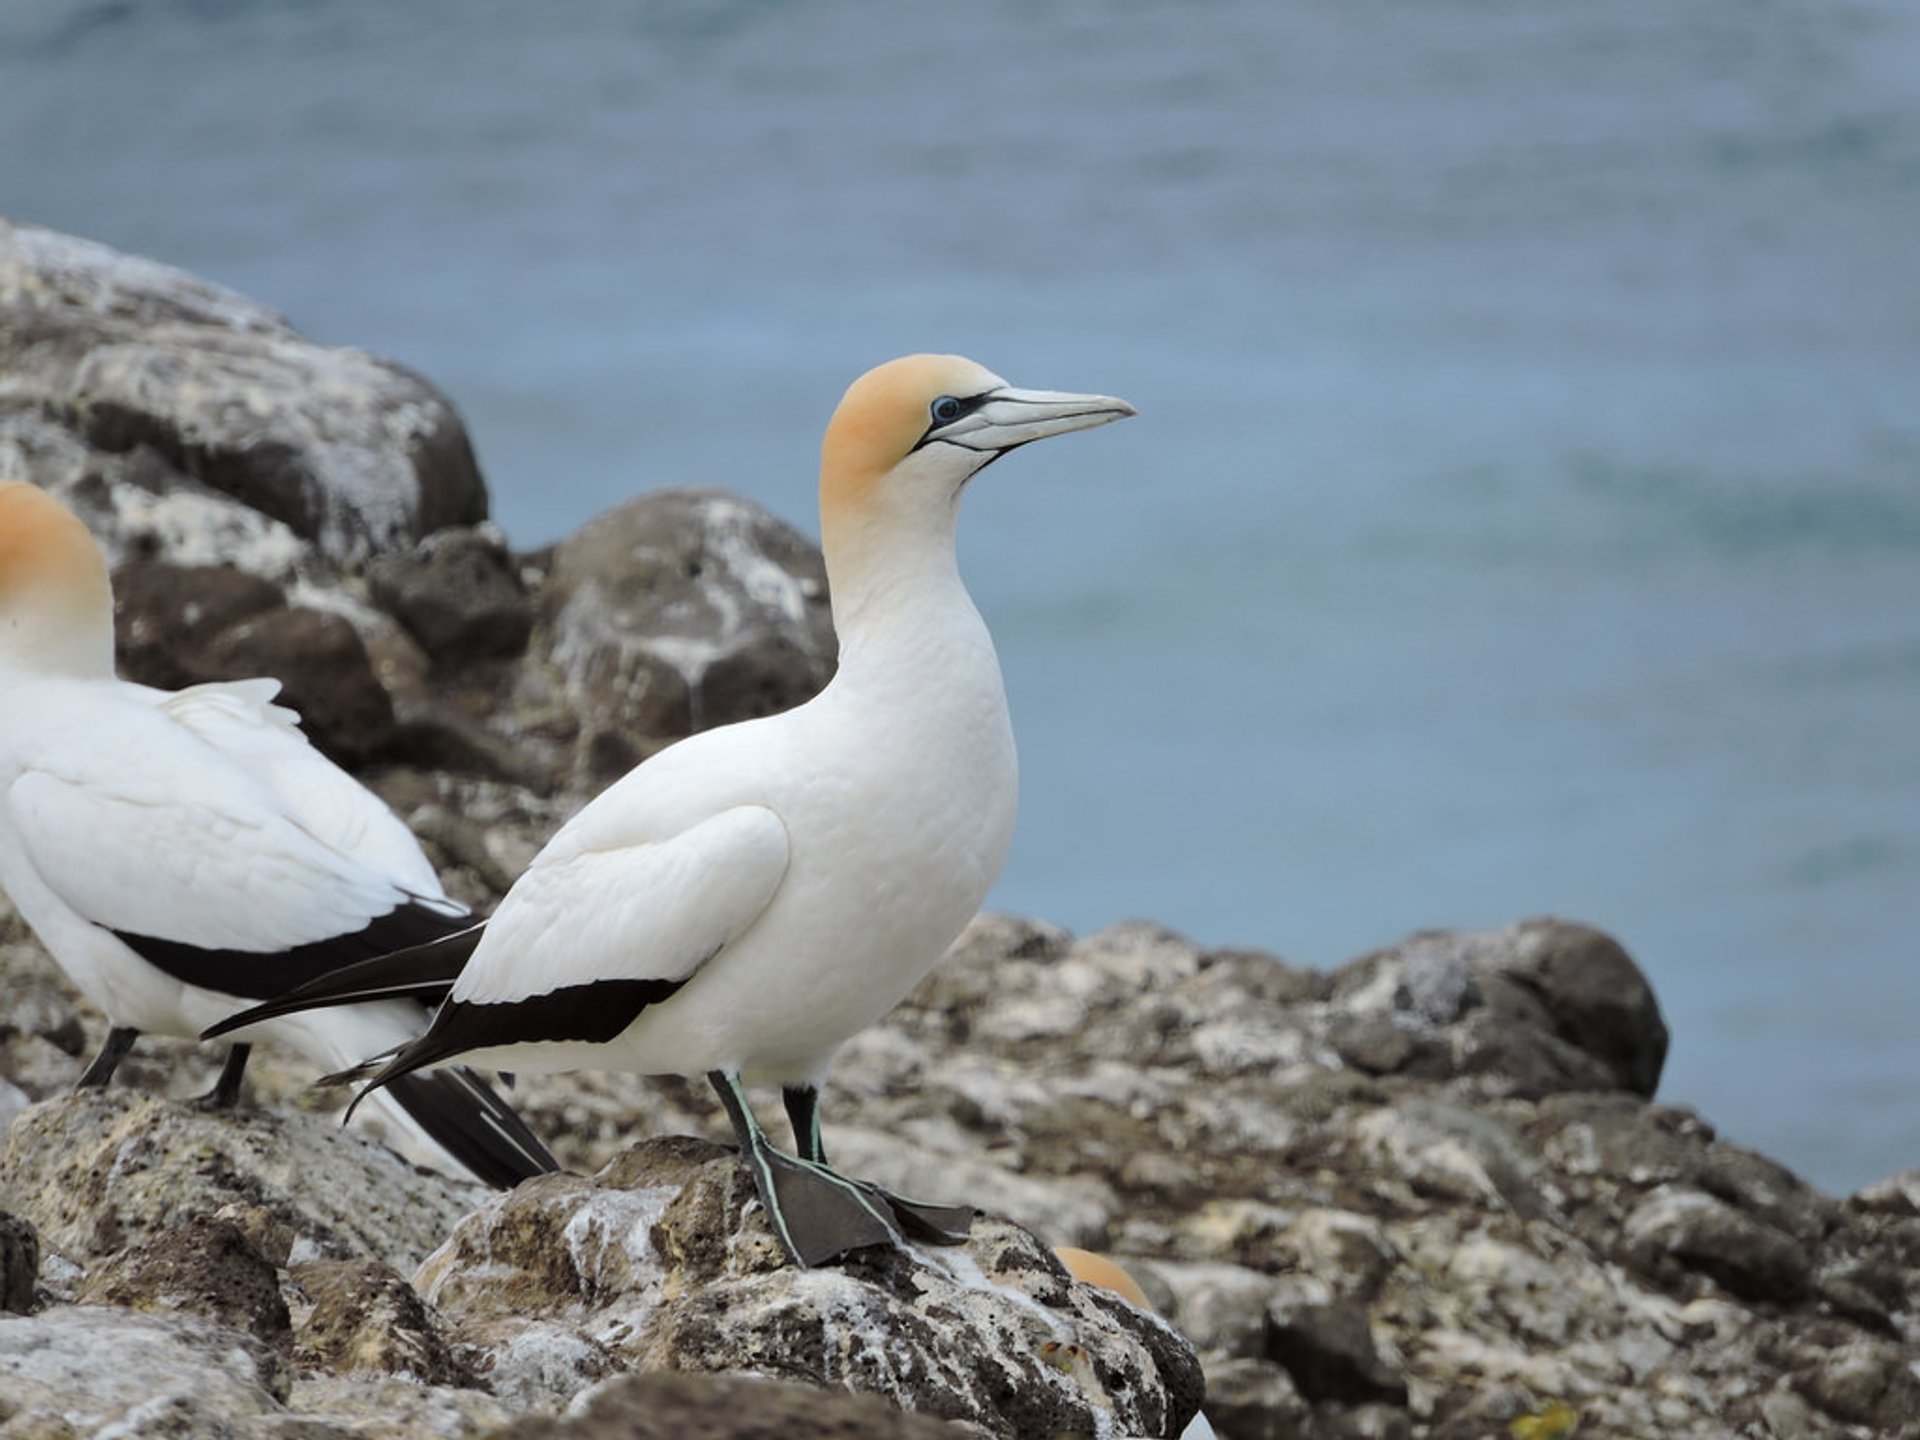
(461,1113)
(420,972)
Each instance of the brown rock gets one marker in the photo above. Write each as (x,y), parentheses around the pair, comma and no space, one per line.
(201,1266)
(364,1316)
(19,1263)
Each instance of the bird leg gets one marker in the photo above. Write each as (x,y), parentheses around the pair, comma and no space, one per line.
(816,1214)
(225,1093)
(935,1224)
(120,1040)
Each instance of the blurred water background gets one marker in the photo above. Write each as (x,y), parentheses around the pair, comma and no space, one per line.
(1524,512)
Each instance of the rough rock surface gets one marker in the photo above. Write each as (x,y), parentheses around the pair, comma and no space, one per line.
(1430,1194)
(671,1407)
(662,1261)
(110,354)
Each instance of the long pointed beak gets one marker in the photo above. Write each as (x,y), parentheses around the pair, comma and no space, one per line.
(1008,417)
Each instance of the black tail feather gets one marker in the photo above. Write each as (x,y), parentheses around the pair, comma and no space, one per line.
(422,972)
(473,1125)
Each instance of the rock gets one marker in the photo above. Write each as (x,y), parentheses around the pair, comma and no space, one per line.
(1255,1400)
(677,611)
(1691,1230)
(459,594)
(663,1262)
(1330,1353)
(19,1263)
(360,1316)
(1539,1007)
(198,1266)
(135,359)
(96,1371)
(669,1407)
(100,1170)
(184,625)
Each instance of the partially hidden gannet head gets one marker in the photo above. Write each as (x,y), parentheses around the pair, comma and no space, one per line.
(1085,1265)
(56,605)
(909,434)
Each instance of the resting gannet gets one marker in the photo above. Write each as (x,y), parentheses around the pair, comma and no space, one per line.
(744,901)
(181,853)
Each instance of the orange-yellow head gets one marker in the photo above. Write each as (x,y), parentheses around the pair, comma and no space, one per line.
(1099,1270)
(910,433)
(56,606)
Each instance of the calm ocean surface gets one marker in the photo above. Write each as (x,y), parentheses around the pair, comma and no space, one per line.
(1524,511)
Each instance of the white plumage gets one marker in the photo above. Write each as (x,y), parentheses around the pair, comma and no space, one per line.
(178,853)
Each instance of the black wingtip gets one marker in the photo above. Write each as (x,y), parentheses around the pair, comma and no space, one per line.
(420,972)
(464,1116)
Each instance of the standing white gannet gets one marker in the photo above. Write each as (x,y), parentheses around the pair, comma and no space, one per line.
(182,853)
(747,899)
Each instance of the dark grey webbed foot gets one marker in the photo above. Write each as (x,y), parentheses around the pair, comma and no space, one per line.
(817,1213)
(934,1224)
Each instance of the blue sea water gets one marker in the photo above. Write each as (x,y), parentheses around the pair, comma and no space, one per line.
(1524,511)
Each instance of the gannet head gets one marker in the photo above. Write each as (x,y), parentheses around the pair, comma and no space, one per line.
(56,605)
(1094,1269)
(909,434)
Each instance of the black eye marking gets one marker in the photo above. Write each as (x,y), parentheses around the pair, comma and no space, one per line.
(945,411)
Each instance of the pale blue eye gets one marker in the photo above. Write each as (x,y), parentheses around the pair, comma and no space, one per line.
(946,410)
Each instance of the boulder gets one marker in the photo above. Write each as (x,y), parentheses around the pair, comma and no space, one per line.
(98,1171)
(677,611)
(663,1262)
(133,358)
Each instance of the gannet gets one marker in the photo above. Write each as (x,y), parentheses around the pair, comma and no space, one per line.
(747,899)
(1096,1269)
(181,853)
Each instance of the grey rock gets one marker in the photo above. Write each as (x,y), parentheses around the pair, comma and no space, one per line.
(100,1170)
(677,611)
(359,1316)
(131,357)
(81,1371)
(198,1266)
(1675,1230)
(1255,1400)
(19,1263)
(663,1262)
(184,625)
(1542,1006)
(459,594)
(1330,1353)
(669,1407)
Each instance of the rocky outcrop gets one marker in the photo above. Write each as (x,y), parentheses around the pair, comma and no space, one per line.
(1483,1226)
(662,1262)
